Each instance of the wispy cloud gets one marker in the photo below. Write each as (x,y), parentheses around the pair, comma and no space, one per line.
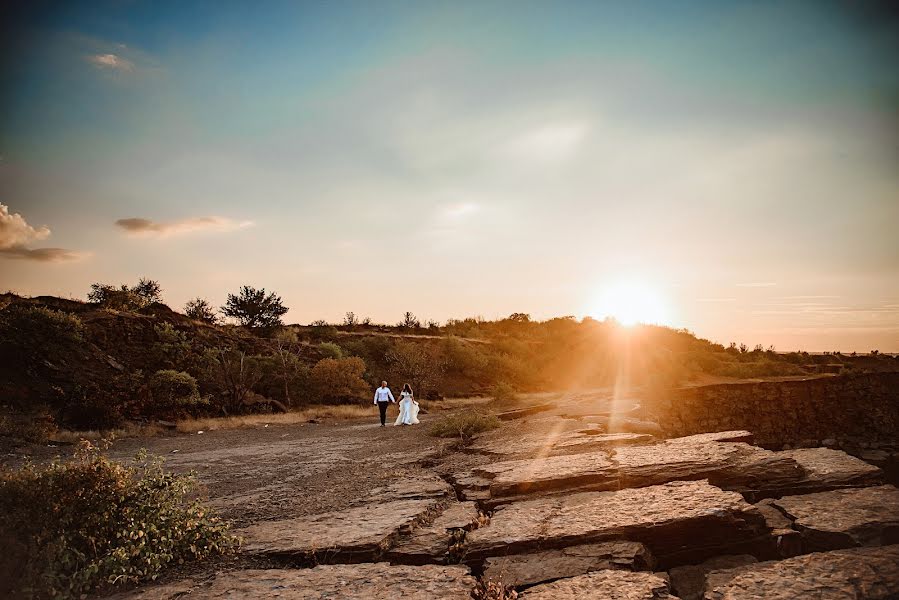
(111,61)
(16,234)
(149,228)
(757,284)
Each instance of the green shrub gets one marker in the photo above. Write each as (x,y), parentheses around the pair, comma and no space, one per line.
(464,425)
(503,392)
(330,350)
(339,380)
(38,332)
(74,527)
(173,393)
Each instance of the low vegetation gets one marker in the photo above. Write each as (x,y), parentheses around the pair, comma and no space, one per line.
(124,357)
(463,425)
(71,528)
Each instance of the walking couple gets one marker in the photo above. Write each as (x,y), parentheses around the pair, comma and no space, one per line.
(408,406)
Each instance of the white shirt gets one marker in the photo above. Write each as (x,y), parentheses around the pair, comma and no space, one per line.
(383,394)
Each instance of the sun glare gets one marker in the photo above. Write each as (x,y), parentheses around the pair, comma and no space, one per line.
(631,302)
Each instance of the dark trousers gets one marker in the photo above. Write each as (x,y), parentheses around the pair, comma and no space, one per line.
(382,407)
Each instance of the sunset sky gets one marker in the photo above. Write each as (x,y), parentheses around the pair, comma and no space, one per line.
(732,168)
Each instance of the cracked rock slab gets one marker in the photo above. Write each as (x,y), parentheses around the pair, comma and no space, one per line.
(688,581)
(827,469)
(557,441)
(719,436)
(844,518)
(354,534)
(372,581)
(520,570)
(870,573)
(608,585)
(431,544)
(684,521)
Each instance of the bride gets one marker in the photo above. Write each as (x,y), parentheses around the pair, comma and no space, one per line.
(408,408)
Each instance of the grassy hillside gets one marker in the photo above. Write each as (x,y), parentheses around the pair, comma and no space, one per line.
(83,365)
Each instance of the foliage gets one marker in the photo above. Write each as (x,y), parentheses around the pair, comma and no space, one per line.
(350,320)
(125,298)
(174,394)
(39,332)
(410,321)
(330,350)
(339,379)
(503,392)
(172,348)
(232,374)
(463,425)
(421,365)
(73,527)
(254,308)
(199,309)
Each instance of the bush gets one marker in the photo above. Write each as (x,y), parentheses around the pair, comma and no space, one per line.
(200,310)
(73,527)
(464,425)
(339,379)
(174,394)
(124,298)
(330,350)
(38,332)
(503,392)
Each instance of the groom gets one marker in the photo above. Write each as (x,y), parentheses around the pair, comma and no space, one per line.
(383,396)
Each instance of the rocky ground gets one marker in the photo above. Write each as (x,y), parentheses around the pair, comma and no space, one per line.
(575,498)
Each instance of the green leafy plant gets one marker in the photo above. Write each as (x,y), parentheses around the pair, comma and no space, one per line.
(74,527)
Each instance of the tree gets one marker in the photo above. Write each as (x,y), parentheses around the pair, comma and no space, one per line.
(148,291)
(421,365)
(410,321)
(339,379)
(253,308)
(200,310)
(350,320)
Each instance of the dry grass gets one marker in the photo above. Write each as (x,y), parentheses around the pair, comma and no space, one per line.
(65,436)
(317,412)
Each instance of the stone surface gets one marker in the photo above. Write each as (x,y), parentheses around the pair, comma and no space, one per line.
(844,518)
(555,472)
(784,540)
(360,533)
(622,424)
(539,567)
(827,469)
(427,485)
(372,581)
(685,521)
(688,581)
(730,465)
(870,573)
(524,411)
(431,544)
(845,408)
(739,435)
(556,441)
(608,585)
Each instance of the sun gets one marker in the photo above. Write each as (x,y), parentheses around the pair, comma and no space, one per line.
(630,302)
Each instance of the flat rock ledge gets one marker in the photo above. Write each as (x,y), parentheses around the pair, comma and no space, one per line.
(720,458)
(680,522)
(354,535)
(372,581)
(434,543)
(869,573)
(844,518)
(608,585)
(521,570)
(688,581)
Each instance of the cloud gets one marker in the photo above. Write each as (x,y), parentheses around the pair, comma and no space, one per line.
(148,227)
(111,61)
(16,234)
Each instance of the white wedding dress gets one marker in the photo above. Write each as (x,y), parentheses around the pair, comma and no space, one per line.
(408,410)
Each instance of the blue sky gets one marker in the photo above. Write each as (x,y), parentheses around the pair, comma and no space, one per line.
(736,161)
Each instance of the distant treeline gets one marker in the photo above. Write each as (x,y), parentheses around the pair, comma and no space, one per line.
(125,355)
